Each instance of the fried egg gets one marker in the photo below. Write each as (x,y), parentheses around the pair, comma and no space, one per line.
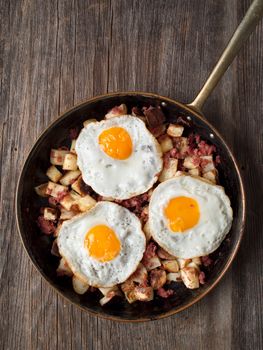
(119,157)
(189,217)
(103,246)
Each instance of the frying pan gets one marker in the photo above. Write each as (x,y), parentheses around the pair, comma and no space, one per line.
(33,173)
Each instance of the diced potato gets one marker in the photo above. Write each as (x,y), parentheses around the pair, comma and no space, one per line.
(152,263)
(57,156)
(194,172)
(197,261)
(41,190)
(174,277)
(130,296)
(166,143)
(183,262)
(88,121)
(70,177)
(128,289)
(85,203)
(66,214)
(79,286)
(190,163)
(209,164)
(190,277)
(170,265)
(106,290)
(70,162)
(143,293)
(63,268)
(80,187)
(169,171)
(175,130)
(211,176)
(50,214)
(140,275)
(69,200)
(163,254)
(147,232)
(54,174)
(55,190)
(157,278)
(193,264)
(117,111)
(73,146)
(182,144)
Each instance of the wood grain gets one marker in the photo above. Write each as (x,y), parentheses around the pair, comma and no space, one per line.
(53,54)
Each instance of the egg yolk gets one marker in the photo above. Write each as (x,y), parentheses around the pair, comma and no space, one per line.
(102,243)
(182,213)
(116,143)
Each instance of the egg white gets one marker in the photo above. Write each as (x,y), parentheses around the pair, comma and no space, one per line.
(214,223)
(127,228)
(119,179)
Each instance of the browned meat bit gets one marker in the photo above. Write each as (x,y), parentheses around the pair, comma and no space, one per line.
(53,202)
(157,278)
(154,116)
(202,277)
(46,226)
(165,293)
(150,251)
(158,130)
(206,260)
(182,120)
(136,204)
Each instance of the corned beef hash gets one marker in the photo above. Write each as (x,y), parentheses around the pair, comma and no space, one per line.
(134,206)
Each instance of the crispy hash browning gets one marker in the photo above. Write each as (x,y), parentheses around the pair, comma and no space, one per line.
(67,195)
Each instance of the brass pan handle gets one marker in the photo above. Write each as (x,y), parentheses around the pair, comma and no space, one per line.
(245,28)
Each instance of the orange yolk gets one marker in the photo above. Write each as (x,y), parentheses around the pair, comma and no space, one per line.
(102,243)
(182,213)
(116,143)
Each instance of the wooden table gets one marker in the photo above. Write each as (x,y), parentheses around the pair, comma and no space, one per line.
(57,53)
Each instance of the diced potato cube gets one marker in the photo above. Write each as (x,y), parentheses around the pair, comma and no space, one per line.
(108,297)
(190,277)
(163,254)
(197,261)
(54,174)
(70,177)
(80,187)
(88,121)
(73,146)
(57,156)
(166,143)
(207,164)
(85,203)
(174,277)
(66,214)
(70,162)
(117,111)
(211,176)
(190,163)
(41,190)
(193,264)
(55,190)
(143,293)
(50,214)
(140,275)
(181,144)
(170,265)
(69,200)
(152,263)
(157,278)
(147,232)
(130,296)
(79,286)
(194,172)
(106,290)
(64,269)
(175,130)
(169,171)
(183,262)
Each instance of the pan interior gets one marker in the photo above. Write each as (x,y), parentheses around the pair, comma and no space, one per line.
(38,246)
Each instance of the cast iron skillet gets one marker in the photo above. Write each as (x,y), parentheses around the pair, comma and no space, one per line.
(28,203)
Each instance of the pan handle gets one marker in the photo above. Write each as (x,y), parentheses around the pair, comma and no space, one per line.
(245,28)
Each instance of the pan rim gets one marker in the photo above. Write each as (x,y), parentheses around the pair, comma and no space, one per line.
(64,115)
